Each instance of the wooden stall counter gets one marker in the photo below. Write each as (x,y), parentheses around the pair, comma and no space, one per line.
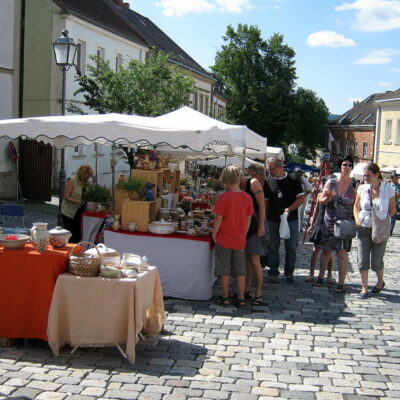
(27,282)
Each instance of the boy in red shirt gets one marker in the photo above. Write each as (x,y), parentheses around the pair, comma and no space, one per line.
(233,212)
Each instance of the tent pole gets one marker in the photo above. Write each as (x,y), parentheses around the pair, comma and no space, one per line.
(113,162)
(226,157)
(244,158)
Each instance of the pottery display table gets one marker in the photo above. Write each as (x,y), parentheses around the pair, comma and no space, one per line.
(97,312)
(185,264)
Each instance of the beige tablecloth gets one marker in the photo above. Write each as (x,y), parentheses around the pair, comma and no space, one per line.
(100,312)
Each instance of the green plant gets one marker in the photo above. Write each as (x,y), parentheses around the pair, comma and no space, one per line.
(97,193)
(134,185)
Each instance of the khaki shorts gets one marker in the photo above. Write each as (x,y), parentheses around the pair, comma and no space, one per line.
(229,262)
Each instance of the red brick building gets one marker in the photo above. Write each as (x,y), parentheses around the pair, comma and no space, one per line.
(353,133)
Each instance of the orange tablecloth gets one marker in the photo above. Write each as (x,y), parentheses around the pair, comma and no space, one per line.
(27,281)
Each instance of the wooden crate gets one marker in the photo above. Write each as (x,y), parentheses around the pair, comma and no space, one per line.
(119,196)
(173,179)
(141,212)
(151,176)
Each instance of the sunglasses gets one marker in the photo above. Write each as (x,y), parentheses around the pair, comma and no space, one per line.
(347,165)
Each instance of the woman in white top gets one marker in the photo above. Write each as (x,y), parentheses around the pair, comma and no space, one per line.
(371,254)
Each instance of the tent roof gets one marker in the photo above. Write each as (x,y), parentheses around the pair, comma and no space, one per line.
(72,130)
(220,161)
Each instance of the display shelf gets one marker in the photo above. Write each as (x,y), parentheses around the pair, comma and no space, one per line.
(141,212)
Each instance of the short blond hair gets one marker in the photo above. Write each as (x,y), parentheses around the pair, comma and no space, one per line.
(84,171)
(231,175)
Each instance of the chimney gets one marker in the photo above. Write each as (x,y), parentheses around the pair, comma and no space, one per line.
(121,3)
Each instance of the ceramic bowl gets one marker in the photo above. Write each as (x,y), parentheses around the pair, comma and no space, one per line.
(109,271)
(14,244)
(129,272)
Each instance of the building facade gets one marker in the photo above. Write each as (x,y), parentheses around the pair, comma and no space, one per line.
(387,144)
(33,82)
(354,132)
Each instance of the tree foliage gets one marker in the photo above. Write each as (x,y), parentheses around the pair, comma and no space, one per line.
(148,88)
(259,82)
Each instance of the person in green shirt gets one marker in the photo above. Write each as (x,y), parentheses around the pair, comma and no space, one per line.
(396,185)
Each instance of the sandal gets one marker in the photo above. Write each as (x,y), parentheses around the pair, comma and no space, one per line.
(248,295)
(223,301)
(240,303)
(320,282)
(309,279)
(340,288)
(331,281)
(257,301)
(378,290)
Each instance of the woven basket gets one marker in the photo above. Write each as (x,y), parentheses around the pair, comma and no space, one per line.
(84,264)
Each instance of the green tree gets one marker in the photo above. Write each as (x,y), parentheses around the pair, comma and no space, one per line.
(148,88)
(259,80)
(308,119)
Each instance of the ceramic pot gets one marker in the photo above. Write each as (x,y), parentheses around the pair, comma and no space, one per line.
(133,196)
(59,237)
(40,236)
(108,256)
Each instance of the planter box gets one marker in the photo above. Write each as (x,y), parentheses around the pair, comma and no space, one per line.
(173,178)
(119,196)
(141,212)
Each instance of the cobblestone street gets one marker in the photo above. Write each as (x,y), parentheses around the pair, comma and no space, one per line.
(305,343)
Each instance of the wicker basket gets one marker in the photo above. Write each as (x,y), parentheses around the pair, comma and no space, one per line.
(84,264)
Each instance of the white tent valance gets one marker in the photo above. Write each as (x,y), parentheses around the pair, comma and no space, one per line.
(222,161)
(73,130)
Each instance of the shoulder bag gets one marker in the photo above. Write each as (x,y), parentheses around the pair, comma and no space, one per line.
(343,229)
(380,227)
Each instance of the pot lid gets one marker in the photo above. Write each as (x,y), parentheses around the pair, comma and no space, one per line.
(59,231)
(104,251)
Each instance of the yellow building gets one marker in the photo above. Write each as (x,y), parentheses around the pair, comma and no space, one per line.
(387,138)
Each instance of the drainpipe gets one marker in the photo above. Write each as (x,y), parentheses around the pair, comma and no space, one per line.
(377,134)
(21,62)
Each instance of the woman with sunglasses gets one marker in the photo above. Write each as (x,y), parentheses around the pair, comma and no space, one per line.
(374,193)
(338,195)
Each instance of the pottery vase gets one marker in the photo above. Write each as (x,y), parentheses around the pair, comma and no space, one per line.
(40,236)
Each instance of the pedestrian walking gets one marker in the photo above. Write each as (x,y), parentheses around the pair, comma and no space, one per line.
(396,186)
(378,197)
(284,195)
(338,195)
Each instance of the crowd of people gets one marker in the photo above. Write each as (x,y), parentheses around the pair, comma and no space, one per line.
(252,212)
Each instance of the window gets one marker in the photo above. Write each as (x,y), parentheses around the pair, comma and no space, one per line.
(195,105)
(367,117)
(354,118)
(101,52)
(365,150)
(81,57)
(398,132)
(201,103)
(388,130)
(347,148)
(206,108)
(355,149)
(118,62)
(78,151)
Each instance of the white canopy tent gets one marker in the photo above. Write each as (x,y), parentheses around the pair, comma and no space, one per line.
(275,152)
(245,141)
(169,133)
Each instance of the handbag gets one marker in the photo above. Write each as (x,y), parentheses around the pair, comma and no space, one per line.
(284,230)
(343,229)
(380,227)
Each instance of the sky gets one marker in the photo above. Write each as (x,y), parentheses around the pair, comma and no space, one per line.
(345,50)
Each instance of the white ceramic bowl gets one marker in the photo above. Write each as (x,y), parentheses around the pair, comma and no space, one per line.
(161,230)
(14,244)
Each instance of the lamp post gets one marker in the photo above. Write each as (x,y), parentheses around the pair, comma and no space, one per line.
(64,53)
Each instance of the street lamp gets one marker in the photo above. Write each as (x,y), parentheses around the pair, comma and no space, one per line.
(64,53)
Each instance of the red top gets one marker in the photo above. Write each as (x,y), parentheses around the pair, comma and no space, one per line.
(234,207)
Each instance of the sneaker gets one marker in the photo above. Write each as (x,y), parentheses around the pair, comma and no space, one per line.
(290,278)
(362,295)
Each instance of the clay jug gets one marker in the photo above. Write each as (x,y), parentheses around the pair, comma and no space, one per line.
(40,236)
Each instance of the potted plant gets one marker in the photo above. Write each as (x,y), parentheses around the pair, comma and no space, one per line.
(135,187)
(95,194)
